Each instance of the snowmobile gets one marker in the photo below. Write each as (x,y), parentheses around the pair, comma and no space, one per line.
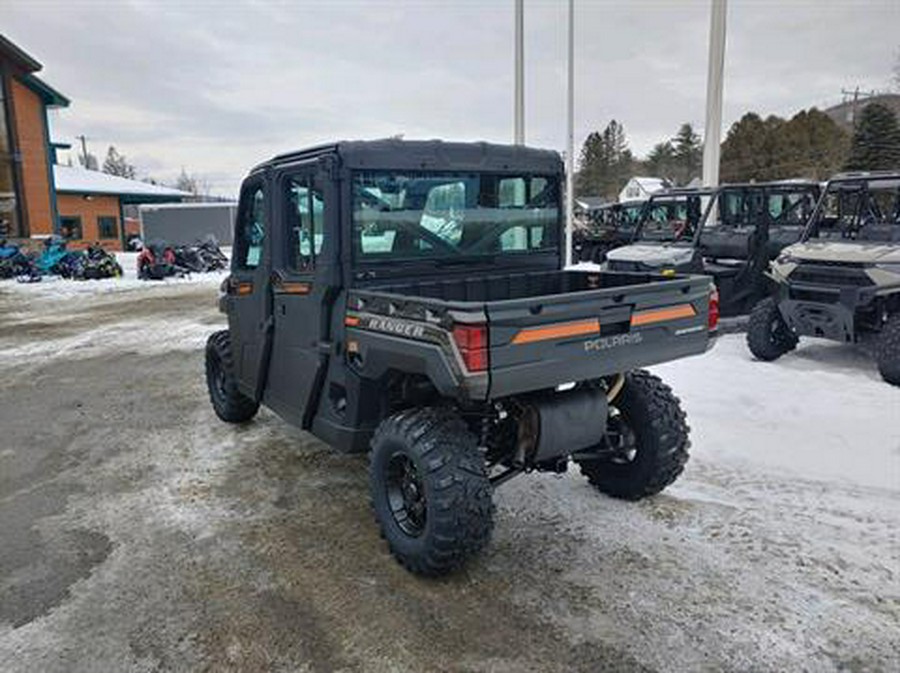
(157,261)
(213,257)
(14,261)
(96,263)
(55,260)
(201,257)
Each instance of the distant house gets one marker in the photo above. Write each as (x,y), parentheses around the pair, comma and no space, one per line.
(90,204)
(587,204)
(38,198)
(641,188)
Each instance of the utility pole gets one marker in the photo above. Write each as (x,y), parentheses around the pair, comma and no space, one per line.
(519,103)
(84,154)
(570,138)
(714,89)
(855,107)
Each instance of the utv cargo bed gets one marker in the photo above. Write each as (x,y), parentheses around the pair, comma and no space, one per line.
(542,329)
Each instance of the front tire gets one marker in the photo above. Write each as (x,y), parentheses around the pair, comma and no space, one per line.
(647,441)
(228,402)
(430,490)
(768,336)
(888,352)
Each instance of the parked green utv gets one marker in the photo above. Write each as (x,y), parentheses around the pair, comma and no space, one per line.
(842,280)
(410,299)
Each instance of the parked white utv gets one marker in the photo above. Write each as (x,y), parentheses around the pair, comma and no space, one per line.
(729,233)
(842,280)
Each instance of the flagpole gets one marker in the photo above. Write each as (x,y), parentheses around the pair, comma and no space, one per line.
(570,137)
(519,104)
(712,133)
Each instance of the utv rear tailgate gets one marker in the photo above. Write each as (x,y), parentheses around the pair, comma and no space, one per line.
(540,342)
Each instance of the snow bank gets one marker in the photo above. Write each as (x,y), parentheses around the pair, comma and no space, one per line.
(821,412)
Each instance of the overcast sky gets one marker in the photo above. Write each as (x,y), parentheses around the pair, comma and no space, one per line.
(218,86)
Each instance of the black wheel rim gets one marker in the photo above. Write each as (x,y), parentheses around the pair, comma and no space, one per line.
(406,496)
(621,439)
(773,331)
(217,378)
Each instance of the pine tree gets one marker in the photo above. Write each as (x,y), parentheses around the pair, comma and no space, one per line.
(688,155)
(662,161)
(590,165)
(876,141)
(117,164)
(605,163)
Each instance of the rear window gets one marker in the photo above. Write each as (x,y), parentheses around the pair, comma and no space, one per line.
(401,215)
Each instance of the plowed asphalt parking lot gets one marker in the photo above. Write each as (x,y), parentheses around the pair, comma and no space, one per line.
(139,533)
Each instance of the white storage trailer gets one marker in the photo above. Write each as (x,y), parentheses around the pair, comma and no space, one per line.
(186,223)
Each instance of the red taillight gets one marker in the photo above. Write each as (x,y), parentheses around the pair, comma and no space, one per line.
(713,320)
(472,341)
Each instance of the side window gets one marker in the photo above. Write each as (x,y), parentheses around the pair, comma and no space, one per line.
(70,227)
(305,222)
(252,229)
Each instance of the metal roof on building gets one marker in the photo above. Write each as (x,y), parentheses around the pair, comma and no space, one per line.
(78,180)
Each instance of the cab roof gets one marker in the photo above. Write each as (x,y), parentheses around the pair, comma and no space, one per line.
(707,191)
(431,155)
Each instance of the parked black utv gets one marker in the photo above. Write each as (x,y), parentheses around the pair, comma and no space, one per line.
(409,299)
(608,227)
(729,233)
(842,280)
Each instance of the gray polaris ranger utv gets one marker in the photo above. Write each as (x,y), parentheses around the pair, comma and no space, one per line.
(729,233)
(842,280)
(409,299)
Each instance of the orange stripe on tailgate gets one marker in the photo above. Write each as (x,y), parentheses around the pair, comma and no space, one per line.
(559,331)
(662,314)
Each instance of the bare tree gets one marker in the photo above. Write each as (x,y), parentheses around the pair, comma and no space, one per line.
(199,187)
(896,77)
(117,164)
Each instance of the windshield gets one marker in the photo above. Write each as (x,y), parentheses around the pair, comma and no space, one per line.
(405,215)
(745,207)
(618,216)
(673,219)
(865,210)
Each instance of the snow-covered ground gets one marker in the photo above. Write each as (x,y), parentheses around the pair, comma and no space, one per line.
(777,550)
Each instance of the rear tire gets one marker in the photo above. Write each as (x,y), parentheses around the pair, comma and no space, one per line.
(888,351)
(229,403)
(768,336)
(647,420)
(430,490)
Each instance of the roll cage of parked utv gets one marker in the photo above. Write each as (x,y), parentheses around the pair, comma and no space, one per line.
(858,206)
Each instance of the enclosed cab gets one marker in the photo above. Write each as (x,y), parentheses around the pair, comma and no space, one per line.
(608,227)
(842,280)
(729,233)
(409,299)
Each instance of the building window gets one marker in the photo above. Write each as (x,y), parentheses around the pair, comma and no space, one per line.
(107,227)
(70,227)
(9,210)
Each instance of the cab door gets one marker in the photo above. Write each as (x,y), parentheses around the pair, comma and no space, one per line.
(248,294)
(299,295)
